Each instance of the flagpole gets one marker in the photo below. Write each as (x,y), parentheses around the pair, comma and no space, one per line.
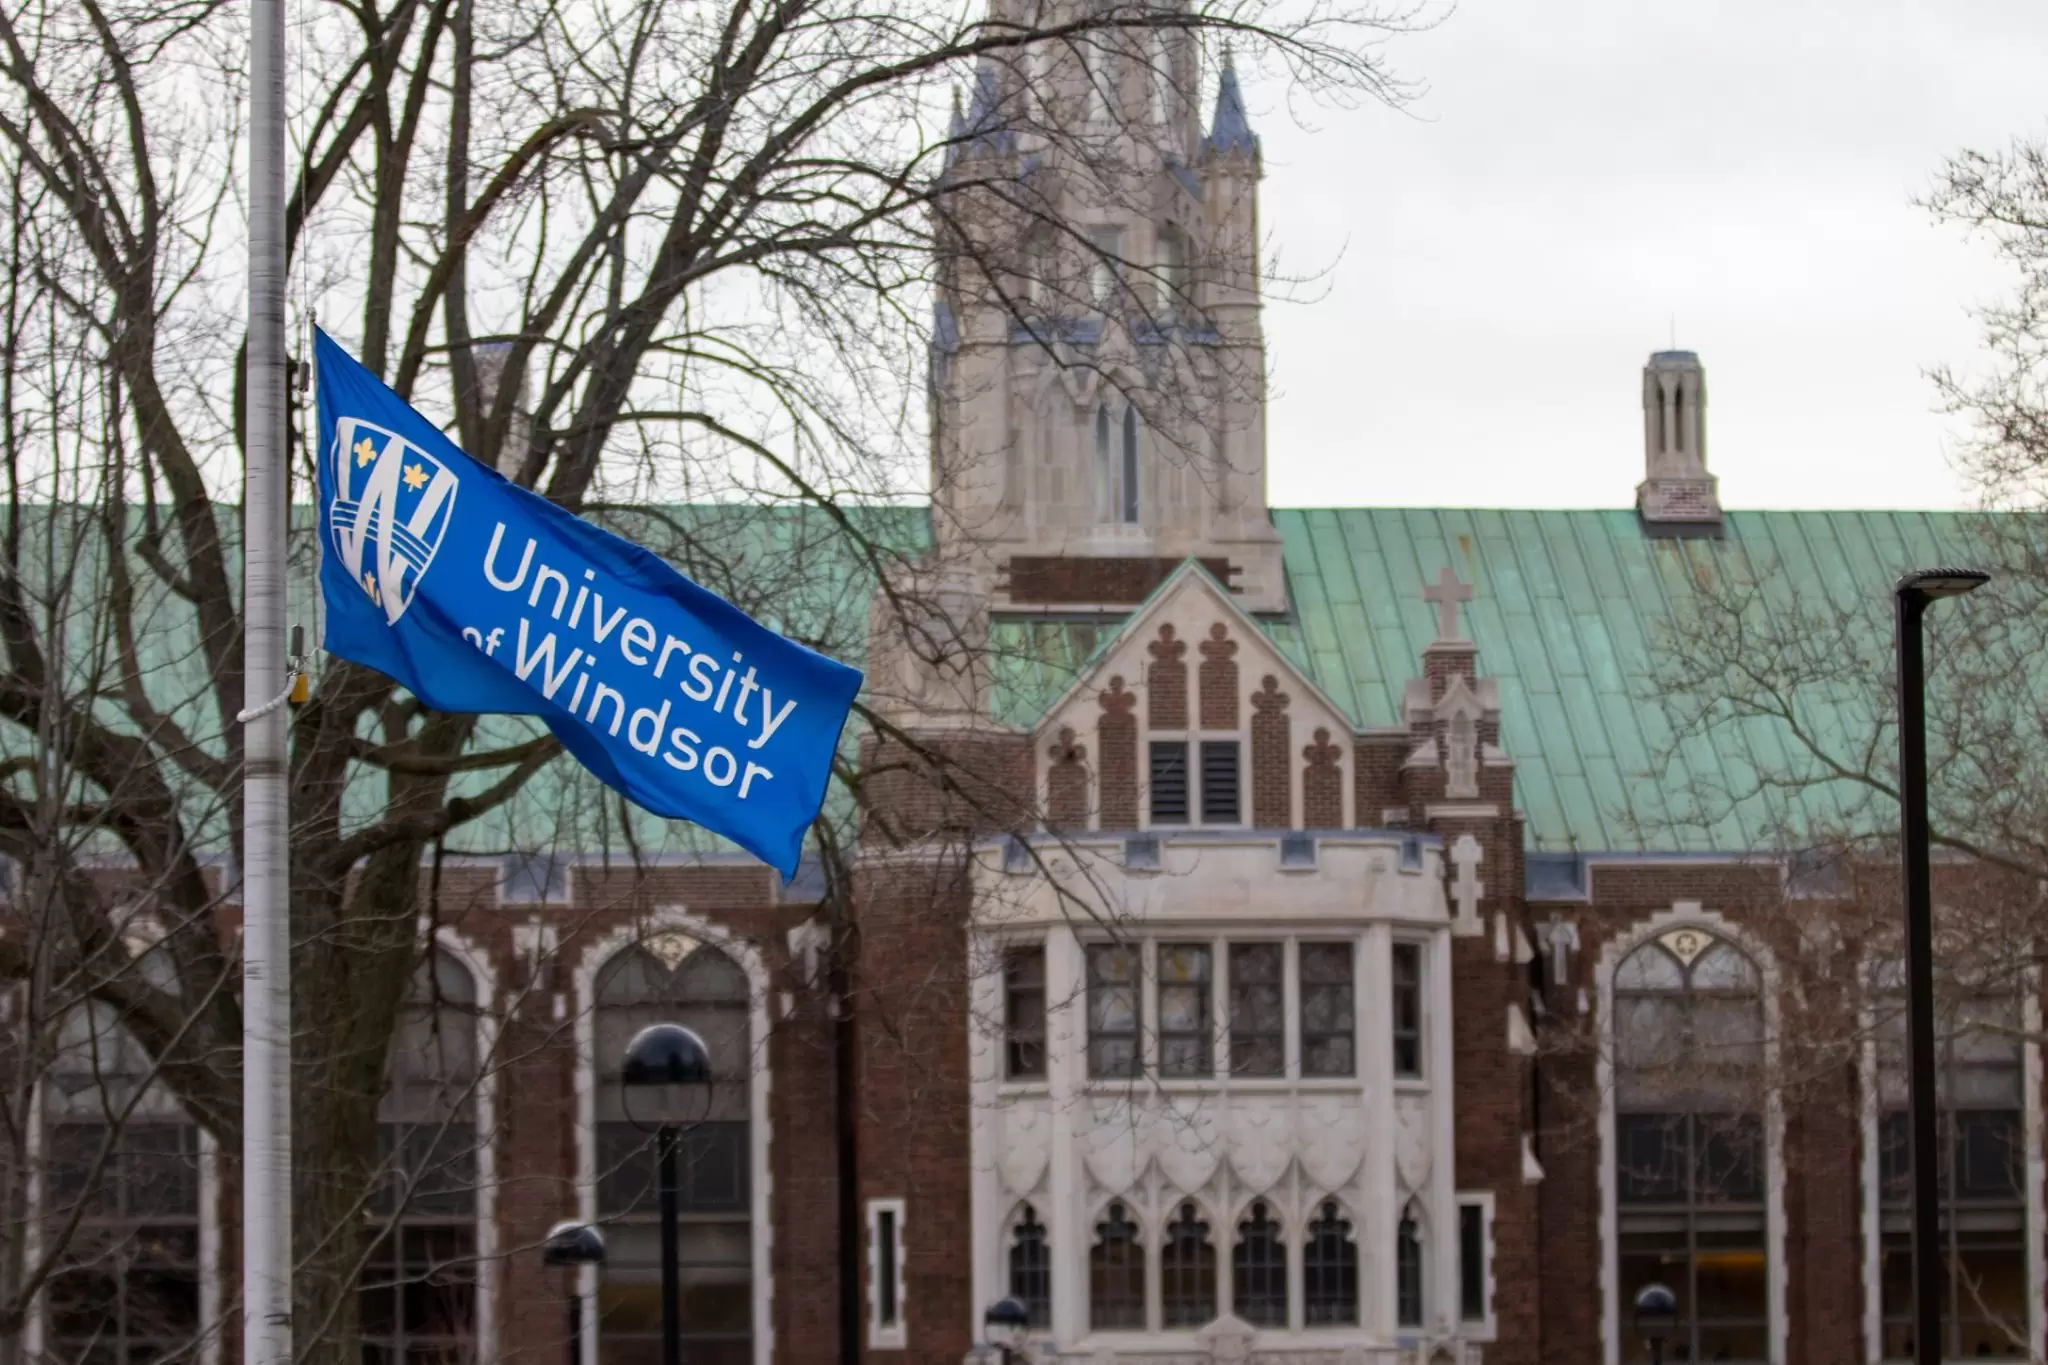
(266,937)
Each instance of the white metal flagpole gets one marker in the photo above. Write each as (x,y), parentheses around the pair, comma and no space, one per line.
(266,936)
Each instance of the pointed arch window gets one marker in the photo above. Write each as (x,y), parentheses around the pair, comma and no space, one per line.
(1258,1270)
(1689,1173)
(418,1289)
(670,979)
(1187,1271)
(1127,503)
(1031,1267)
(1981,1094)
(127,1282)
(1116,1274)
(1330,1270)
(1116,464)
(1408,1271)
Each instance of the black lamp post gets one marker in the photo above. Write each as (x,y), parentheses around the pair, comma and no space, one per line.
(1656,1316)
(1913,593)
(1005,1325)
(668,1057)
(573,1245)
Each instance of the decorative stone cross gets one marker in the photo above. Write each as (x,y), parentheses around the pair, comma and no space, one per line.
(1446,594)
(1466,888)
(1561,937)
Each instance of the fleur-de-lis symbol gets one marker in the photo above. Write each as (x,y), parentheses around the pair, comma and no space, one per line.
(365,452)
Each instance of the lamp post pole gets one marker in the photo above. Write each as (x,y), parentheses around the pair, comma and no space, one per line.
(669,1057)
(1912,594)
(671,1270)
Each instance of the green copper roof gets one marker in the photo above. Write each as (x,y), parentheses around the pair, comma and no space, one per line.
(1567,613)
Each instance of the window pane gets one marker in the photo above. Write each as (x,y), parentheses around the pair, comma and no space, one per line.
(1116,1274)
(1259,1271)
(1327,1014)
(1257,1028)
(1184,1033)
(1472,1262)
(1330,1270)
(1031,1267)
(1220,782)
(1651,1157)
(1112,1010)
(1169,782)
(1407,1009)
(1187,1269)
(1024,1013)
(1408,1274)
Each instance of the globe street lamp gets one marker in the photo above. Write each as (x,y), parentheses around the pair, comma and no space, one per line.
(1913,594)
(670,1061)
(1005,1325)
(1656,1316)
(573,1245)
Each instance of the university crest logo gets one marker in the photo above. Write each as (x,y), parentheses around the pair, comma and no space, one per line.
(392,504)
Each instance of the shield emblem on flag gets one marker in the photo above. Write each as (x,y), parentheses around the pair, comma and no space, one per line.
(392,502)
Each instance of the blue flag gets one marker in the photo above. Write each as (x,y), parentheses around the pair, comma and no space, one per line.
(483,597)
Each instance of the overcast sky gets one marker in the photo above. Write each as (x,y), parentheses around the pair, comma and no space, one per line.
(1500,258)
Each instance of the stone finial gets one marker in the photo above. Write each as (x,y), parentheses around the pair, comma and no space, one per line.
(1446,593)
(1677,496)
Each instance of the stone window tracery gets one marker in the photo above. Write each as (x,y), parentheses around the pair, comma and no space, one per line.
(1408,1270)
(1258,1269)
(1031,1266)
(1116,1273)
(1187,1270)
(1330,1270)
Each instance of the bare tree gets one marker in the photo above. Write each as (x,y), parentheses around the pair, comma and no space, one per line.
(634,255)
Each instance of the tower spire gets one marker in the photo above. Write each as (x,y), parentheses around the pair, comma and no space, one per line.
(1231,130)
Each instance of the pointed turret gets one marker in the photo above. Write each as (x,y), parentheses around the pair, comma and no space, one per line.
(1231,131)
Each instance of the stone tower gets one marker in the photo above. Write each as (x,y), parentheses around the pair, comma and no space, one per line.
(1098,375)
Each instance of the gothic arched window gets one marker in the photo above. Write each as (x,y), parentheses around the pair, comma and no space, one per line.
(1689,1144)
(670,979)
(1127,501)
(418,1294)
(1408,1271)
(1981,1090)
(1031,1267)
(1330,1270)
(1116,1274)
(127,1286)
(1187,1271)
(1105,466)
(1258,1270)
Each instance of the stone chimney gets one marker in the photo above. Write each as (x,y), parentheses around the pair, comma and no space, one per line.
(1677,496)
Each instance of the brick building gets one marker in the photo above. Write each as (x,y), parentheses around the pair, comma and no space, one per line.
(1289,935)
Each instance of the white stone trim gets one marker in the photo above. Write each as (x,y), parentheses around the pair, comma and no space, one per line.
(886,1336)
(1617,948)
(674,918)
(490,1271)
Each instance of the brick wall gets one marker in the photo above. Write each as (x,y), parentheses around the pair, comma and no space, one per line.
(1116,736)
(914,1108)
(1322,784)
(1166,682)
(1102,580)
(1272,758)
